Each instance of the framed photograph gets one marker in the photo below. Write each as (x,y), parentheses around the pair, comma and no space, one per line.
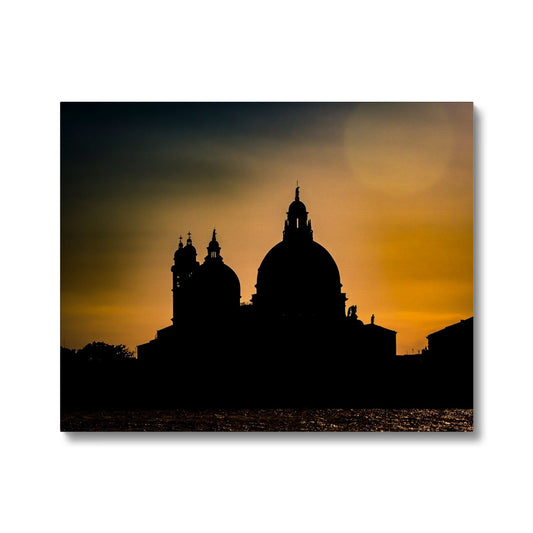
(267,266)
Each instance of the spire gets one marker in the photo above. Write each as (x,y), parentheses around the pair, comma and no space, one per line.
(189,240)
(180,245)
(297,193)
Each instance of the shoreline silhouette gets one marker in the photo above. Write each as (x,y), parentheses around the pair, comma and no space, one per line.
(294,347)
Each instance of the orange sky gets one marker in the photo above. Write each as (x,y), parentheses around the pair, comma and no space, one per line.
(388,188)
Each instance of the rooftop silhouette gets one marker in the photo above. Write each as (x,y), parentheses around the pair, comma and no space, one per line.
(294,345)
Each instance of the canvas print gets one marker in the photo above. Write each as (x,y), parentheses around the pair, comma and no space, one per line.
(267,266)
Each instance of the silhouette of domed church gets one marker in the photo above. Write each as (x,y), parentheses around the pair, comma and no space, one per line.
(296,330)
(298,278)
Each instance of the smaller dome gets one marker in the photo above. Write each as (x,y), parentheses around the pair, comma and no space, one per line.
(217,276)
(297,208)
(189,251)
(178,254)
(185,256)
(216,287)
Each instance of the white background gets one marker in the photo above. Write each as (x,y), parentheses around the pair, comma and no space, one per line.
(392,51)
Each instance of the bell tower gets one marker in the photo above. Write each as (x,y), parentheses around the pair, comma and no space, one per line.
(184,265)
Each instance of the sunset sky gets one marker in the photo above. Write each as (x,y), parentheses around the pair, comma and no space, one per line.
(388,188)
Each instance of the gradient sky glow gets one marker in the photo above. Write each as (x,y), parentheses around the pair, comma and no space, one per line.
(388,187)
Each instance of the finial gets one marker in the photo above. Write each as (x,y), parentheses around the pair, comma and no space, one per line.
(214,234)
(297,195)
(189,240)
(372,318)
(180,245)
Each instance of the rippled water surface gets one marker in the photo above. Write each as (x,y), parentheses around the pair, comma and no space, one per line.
(271,420)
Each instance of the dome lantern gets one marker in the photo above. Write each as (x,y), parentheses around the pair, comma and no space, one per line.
(213,250)
(297,226)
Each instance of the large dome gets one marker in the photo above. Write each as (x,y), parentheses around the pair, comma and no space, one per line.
(303,263)
(298,277)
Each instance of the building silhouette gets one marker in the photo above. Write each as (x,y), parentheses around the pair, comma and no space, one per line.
(453,343)
(292,338)
(298,291)
(294,346)
(450,352)
(200,291)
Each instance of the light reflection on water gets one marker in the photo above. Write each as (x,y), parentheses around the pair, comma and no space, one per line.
(271,420)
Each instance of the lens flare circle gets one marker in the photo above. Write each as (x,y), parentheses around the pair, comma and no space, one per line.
(399,148)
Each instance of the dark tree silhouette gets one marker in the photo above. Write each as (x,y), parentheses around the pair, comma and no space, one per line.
(101,352)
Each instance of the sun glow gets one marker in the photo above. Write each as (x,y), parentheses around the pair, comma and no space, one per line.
(388,188)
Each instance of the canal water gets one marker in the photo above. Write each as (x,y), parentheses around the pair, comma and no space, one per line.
(287,420)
